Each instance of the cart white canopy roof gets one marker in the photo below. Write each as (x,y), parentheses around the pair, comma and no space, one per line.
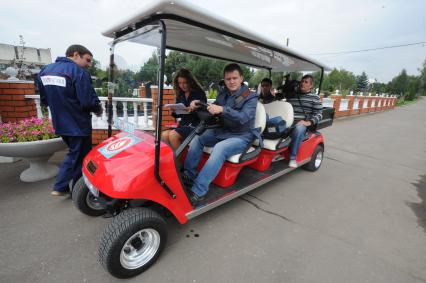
(195,30)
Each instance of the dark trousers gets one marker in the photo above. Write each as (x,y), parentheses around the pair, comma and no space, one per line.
(70,169)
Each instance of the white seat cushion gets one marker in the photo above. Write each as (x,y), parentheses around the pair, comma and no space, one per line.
(268,144)
(280,108)
(233,159)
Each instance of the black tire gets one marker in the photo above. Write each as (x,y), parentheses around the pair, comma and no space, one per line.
(125,232)
(85,201)
(316,160)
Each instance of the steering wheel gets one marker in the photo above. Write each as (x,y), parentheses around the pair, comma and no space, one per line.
(205,116)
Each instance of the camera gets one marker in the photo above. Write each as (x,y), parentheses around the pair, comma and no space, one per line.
(288,90)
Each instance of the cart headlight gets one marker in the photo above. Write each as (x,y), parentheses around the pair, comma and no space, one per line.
(91,188)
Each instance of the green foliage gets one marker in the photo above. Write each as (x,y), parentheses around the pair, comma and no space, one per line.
(149,71)
(205,70)
(257,78)
(361,82)
(212,94)
(422,79)
(378,87)
(337,79)
(95,70)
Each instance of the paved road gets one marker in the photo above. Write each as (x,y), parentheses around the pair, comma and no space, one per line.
(360,218)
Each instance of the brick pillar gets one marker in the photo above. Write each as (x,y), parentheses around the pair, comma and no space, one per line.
(168,98)
(393,102)
(13,104)
(336,105)
(360,104)
(351,100)
(142,91)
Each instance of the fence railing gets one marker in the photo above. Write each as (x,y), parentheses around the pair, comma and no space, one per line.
(135,110)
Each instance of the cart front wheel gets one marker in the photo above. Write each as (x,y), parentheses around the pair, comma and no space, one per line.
(132,242)
(85,201)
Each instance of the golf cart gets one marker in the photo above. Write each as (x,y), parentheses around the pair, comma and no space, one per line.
(136,178)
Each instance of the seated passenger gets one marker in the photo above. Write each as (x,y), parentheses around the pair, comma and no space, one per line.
(265,95)
(187,89)
(237,106)
(307,109)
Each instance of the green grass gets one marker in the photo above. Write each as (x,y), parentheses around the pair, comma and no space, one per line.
(401,102)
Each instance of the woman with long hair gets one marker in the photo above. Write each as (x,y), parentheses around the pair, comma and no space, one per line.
(186,89)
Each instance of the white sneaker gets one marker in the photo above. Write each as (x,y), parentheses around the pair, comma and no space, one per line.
(292,163)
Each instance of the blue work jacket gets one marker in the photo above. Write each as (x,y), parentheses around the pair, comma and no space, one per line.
(239,114)
(67,89)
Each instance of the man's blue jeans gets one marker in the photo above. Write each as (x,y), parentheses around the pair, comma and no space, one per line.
(223,149)
(70,168)
(297,134)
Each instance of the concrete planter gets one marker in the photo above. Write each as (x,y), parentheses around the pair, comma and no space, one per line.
(37,153)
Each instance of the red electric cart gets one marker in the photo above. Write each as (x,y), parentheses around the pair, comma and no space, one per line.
(136,178)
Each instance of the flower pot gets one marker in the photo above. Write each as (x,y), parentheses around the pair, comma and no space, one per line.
(37,153)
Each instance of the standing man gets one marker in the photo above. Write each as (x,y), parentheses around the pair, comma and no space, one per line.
(236,104)
(66,87)
(307,109)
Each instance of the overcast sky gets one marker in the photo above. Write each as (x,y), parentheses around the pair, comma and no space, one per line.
(312,26)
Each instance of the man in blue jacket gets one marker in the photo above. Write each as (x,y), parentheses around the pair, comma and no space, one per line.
(66,87)
(236,104)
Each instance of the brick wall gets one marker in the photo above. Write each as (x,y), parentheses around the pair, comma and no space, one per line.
(168,98)
(13,104)
(99,135)
(372,104)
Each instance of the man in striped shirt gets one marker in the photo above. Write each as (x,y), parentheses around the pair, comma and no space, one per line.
(307,109)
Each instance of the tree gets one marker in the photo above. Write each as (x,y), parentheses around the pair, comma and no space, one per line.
(205,70)
(95,70)
(149,71)
(361,82)
(422,79)
(342,80)
(399,83)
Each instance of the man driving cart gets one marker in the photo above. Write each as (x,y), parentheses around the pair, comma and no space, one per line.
(236,105)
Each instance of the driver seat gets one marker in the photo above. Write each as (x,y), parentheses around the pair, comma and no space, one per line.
(233,165)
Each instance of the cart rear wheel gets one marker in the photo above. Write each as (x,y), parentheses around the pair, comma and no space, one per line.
(316,159)
(132,242)
(85,201)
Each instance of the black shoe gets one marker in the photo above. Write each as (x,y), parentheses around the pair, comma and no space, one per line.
(195,200)
(187,181)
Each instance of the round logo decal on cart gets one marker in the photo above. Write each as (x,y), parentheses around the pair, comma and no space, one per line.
(118,144)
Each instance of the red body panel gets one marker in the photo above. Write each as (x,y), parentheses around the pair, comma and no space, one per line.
(305,152)
(265,158)
(307,147)
(130,174)
(228,173)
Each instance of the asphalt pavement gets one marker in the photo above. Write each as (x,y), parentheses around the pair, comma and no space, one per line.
(360,218)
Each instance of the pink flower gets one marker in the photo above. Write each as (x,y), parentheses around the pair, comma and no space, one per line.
(30,129)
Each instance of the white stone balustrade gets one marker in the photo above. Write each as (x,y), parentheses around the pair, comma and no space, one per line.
(142,121)
(356,104)
(344,105)
(327,102)
(365,103)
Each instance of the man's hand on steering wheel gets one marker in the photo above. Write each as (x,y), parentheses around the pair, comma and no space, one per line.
(215,109)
